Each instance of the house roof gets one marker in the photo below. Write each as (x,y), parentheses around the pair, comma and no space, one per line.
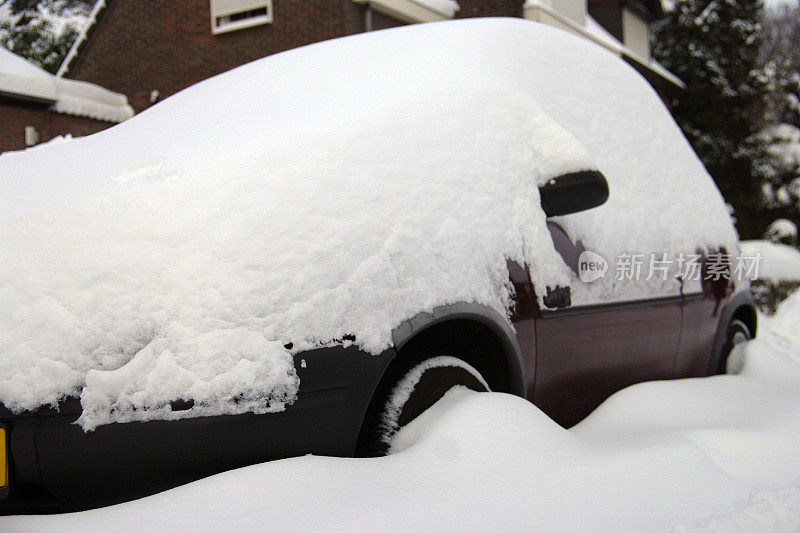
(21,79)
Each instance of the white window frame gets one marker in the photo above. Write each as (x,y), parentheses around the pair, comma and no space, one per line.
(575,10)
(227,8)
(410,11)
(636,33)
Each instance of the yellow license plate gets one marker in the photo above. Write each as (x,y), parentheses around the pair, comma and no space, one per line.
(4,469)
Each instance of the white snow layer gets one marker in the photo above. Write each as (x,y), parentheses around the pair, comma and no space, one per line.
(777,261)
(18,76)
(405,388)
(713,454)
(783,147)
(340,188)
(781,228)
(782,327)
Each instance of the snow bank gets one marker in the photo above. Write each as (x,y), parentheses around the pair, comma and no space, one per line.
(710,454)
(777,511)
(336,189)
(778,261)
(782,326)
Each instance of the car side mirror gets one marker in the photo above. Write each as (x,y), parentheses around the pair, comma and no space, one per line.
(573,192)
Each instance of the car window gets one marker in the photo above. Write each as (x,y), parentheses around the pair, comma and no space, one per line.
(598,279)
(568,251)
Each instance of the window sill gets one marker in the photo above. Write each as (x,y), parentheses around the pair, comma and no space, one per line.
(241,24)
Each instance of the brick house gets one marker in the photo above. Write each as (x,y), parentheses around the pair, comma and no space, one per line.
(150,50)
(36,106)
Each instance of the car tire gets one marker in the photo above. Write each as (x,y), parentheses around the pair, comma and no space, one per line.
(732,361)
(407,390)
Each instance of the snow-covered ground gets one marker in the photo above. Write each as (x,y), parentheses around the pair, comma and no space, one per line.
(710,454)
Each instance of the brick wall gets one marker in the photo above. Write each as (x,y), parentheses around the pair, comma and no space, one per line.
(383,22)
(490,8)
(18,115)
(137,47)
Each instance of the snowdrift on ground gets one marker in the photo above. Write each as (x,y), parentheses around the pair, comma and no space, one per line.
(709,454)
(337,189)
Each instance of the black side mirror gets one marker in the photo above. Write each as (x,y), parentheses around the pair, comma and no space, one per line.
(574,192)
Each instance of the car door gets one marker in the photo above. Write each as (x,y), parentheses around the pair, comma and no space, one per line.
(705,293)
(600,342)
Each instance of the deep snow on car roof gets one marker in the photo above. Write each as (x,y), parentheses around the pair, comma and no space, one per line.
(337,189)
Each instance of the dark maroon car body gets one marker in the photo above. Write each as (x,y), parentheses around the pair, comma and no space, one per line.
(576,357)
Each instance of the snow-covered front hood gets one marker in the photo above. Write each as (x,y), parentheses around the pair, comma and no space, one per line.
(336,189)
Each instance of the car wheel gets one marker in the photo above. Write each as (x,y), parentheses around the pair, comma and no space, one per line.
(732,360)
(407,391)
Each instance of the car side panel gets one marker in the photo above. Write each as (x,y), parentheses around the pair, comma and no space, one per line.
(701,314)
(586,355)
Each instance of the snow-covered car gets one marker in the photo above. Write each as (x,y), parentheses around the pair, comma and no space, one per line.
(303,254)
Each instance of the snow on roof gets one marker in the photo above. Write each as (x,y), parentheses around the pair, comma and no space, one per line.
(20,77)
(335,189)
(89,100)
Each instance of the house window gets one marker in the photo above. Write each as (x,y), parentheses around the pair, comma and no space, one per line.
(31,136)
(575,10)
(230,15)
(413,11)
(636,33)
